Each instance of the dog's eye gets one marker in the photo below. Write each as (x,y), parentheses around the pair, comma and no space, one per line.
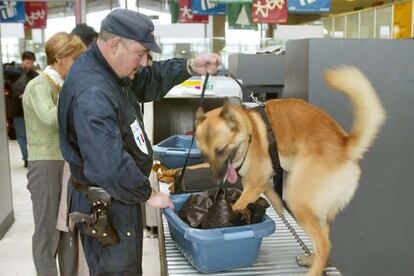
(220,152)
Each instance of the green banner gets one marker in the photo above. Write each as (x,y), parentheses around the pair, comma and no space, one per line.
(174,11)
(239,16)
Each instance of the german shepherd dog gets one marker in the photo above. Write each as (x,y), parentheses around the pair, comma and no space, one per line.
(320,157)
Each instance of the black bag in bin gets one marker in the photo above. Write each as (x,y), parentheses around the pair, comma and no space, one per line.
(198,179)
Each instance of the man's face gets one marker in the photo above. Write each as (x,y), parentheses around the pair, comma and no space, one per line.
(27,64)
(129,57)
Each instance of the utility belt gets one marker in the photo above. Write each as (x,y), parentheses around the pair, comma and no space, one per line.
(97,223)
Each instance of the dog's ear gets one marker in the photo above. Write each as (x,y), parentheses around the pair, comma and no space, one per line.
(226,101)
(228,115)
(233,100)
(200,116)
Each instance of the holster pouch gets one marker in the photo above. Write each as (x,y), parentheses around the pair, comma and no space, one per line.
(96,224)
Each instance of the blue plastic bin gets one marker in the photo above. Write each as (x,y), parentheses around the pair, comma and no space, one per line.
(172,151)
(217,249)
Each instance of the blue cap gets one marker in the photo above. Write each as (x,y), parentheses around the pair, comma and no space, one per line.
(131,25)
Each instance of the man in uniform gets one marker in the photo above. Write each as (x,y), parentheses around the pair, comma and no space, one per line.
(102,137)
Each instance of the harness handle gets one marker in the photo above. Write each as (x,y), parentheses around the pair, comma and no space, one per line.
(225,72)
(200,104)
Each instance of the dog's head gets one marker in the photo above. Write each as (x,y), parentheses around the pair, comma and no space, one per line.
(219,134)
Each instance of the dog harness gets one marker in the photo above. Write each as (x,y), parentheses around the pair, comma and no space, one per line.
(245,155)
(273,152)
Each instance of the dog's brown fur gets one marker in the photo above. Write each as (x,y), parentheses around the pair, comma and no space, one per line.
(321,158)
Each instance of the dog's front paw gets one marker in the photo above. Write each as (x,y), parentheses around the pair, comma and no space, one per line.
(305,260)
(239,206)
(246,215)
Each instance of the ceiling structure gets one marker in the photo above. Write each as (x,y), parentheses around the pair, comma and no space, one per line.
(57,7)
(341,6)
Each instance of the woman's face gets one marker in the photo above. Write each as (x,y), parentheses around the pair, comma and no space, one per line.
(64,65)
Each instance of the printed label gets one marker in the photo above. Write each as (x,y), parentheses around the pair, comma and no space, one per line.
(139,136)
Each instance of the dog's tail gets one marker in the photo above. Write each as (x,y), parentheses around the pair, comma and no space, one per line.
(368,110)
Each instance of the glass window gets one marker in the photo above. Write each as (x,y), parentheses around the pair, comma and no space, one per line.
(352,23)
(339,27)
(383,22)
(327,27)
(367,24)
(10,49)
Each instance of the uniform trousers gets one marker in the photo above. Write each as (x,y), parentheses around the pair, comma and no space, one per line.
(124,258)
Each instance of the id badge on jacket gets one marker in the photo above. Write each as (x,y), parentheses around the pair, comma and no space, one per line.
(139,136)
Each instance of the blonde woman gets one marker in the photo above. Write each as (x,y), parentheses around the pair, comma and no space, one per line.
(45,161)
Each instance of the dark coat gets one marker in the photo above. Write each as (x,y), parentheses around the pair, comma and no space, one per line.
(96,112)
(17,81)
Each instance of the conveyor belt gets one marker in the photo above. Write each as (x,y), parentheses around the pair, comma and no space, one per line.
(277,255)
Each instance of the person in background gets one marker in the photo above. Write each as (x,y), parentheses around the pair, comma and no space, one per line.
(17,89)
(10,75)
(103,138)
(86,33)
(45,167)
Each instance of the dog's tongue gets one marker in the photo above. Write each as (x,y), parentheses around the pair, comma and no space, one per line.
(231,174)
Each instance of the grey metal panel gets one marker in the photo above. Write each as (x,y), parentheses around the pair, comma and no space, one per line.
(6,203)
(277,255)
(258,69)
(296,70)
(373,236)
(176,115)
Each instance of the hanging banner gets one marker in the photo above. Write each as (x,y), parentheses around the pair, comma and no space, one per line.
(174,11)
(269,11)
(231,1)
(11,12)
(309,6)
(185,13)
(36,15)
(207,7)
(239,16)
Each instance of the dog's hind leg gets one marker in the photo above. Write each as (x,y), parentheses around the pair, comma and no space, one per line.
(307,198)
(320,237)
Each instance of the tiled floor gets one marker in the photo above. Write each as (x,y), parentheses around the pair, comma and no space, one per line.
(15,247)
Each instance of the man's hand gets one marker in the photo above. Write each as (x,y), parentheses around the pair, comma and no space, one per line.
(160,200)
(204,63)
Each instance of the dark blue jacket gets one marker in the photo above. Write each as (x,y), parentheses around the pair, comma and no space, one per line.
(95,112)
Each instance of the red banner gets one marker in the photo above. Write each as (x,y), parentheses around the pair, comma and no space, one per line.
(269,11)
(36,15)
(185,13)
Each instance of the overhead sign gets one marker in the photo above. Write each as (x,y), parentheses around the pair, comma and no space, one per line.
(36,15)
(309,6)
(231,1)
(269,11)
(239,16)
(11,12)
(207,7)
(185,13)
(174,11)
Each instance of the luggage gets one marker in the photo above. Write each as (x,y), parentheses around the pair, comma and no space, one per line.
(216,249)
